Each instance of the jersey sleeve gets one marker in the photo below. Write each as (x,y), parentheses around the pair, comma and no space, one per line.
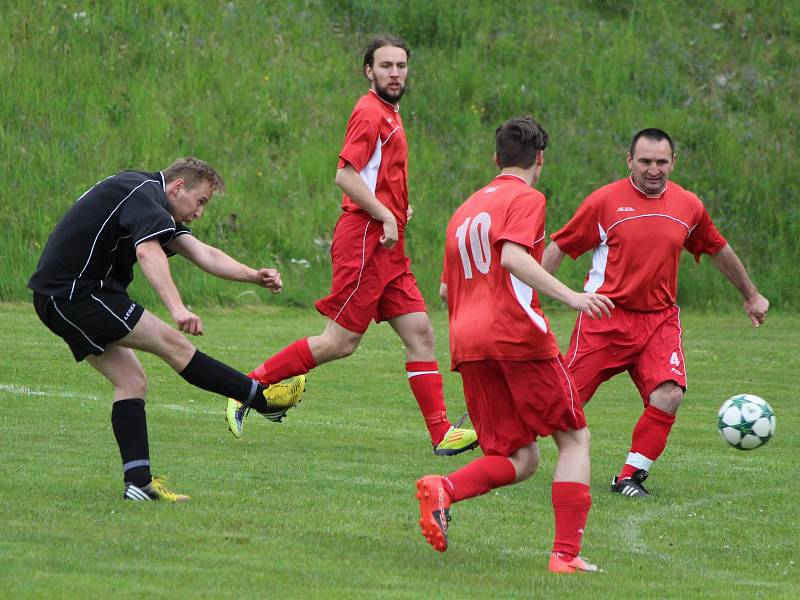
(704,238)
(144,217)
(524,221)
(359,140)
(581,233)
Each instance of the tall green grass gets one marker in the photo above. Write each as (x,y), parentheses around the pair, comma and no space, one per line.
(262,90)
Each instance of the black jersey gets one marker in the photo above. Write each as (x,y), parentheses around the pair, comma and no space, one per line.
(94,244)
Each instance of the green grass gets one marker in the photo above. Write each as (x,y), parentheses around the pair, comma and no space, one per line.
(322,505)
(262,90)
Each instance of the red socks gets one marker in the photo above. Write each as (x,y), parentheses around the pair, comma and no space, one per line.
(426,385)
(648,440)
(295,359)
(571,503)
(479,477)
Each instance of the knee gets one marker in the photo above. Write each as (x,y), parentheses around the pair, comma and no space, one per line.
(421,338)
(667,397)
(133,385)
(525,463)
(340,346)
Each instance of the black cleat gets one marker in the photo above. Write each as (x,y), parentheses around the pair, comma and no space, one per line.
(631,486)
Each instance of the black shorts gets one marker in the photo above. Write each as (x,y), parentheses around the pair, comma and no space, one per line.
(89,324)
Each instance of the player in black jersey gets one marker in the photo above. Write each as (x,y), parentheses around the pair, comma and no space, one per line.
(80,293)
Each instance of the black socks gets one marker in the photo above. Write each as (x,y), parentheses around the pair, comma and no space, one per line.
(213,376)
(129,424)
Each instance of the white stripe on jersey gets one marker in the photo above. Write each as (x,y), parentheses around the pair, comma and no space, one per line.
(597,274)
(650,215)
(152,235)
(94,243)
(370,171)
(524,295)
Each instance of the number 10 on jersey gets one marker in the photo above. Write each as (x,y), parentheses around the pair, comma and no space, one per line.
(477,228)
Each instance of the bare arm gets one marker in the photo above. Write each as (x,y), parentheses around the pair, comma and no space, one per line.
(552,257)
(350,182)
(155,267)
(443,292)
(515,259)
(755,305)
(214,261)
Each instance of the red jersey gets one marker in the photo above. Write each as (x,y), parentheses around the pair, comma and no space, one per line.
(493,315)
(637,241)
(375,146)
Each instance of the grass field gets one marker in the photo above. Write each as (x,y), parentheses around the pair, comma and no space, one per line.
(322,505)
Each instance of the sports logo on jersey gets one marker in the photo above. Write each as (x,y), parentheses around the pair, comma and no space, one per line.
(626,209)
(489,189)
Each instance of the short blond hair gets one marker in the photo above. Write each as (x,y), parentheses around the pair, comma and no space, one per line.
(193,170)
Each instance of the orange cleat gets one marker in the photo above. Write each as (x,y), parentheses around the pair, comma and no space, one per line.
(559,564)
(434,510)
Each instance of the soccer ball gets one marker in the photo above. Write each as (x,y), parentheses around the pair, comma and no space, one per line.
(746,421)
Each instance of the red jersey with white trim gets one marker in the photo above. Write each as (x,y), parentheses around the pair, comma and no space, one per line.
(637,241)
(375,146)
(493,315)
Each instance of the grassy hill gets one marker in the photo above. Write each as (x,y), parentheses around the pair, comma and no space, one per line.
(262,90)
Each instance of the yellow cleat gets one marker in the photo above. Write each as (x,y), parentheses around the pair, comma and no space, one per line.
(280,398)
(456,441)
(155,490)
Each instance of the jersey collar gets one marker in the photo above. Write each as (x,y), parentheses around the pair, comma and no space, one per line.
(163,183)
(512,175)
(645,194)
(389,104)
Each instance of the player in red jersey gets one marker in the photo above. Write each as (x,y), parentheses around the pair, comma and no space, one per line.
(637,228)
(372,278)
(515,382)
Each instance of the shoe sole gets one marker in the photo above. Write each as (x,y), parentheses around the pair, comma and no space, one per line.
(454,451)
(430,528)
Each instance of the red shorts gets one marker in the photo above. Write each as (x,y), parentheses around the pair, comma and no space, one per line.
(369,281)
(646,344)
(512,403)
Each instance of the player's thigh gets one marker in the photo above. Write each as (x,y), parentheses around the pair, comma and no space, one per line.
(491,408)
(122,368)
(662,358)
(600,349)
(401,296)
(88,324)
(545,395)
(153,335)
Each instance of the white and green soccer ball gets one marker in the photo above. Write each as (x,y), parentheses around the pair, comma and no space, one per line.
(746,421)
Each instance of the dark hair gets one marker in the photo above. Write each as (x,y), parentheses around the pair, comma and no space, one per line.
(653,134)
(518,141)
(379,42)
(193,170)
